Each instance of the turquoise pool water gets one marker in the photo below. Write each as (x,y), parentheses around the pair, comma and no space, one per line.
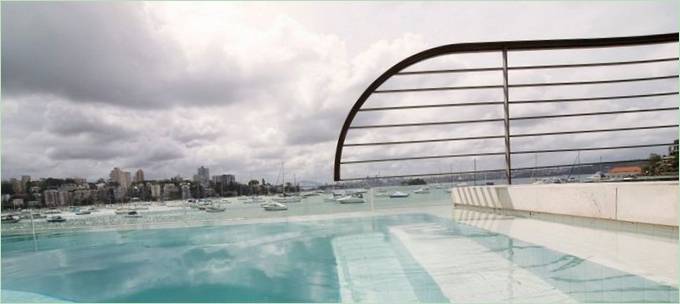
(349,259)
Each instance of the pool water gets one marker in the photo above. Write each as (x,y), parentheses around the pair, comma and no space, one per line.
(366,259)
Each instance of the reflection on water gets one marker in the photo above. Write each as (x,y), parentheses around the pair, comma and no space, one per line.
(317,261)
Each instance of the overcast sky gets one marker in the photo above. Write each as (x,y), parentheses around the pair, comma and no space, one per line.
(241,87)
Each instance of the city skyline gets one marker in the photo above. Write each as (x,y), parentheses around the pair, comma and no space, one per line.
(238,87)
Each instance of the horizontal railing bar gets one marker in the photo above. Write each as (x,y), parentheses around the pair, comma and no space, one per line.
(449,71)
(430,174)
(594,113)
(594,131)
(421,157)
(580,164)
(462,104)
(577,65)
(593,148)
(593,98)
(418,124)
(524,85)
(498,170)
(423,141)
(501,153)
(502,136)
(439,89)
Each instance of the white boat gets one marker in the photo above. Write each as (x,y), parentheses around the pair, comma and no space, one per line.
(254,200)
(10,219)
(83,212)
(214,209)
(122,211)
(287,200)
(352,199)
(53,211)
(398,194)
(274,206)
(422,191)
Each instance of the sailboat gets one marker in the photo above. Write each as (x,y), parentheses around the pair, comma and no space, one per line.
(284,199)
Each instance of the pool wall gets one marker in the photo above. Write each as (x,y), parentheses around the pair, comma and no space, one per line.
(640,202)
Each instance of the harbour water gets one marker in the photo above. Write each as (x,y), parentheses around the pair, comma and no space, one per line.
(378,258)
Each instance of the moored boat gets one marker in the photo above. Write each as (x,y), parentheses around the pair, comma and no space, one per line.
(56,219)
(398,194)
(352,199)
(10,219)
(274,206)
(133,214)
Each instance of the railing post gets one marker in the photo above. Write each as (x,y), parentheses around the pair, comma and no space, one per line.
(506,117)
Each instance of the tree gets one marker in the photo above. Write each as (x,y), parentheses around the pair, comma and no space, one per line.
(7,188)
(414,181)
(653,166)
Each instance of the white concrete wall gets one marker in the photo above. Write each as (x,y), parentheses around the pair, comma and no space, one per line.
(643,202)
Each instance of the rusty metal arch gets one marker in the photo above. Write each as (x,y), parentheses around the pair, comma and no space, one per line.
(504,47)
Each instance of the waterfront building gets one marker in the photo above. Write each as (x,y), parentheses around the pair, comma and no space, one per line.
(119,193)
(79,180)
(203,176)
(139,176)
(121,177)
(186,191)
(68,187)
(55,198)
(170,191)
(81,196)
(18,202)
(224,178)
(155,191)
(17,187)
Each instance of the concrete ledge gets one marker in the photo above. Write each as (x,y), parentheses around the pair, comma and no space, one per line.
(640,202)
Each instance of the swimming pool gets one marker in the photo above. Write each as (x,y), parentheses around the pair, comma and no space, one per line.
(382,258)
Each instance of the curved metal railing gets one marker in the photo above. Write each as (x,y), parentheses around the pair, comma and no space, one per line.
(398,70)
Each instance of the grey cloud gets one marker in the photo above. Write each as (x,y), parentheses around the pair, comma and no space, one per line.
(104,53)
(73,122)
(86,152)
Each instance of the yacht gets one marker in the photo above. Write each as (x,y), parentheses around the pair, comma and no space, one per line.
(398,194)
(53,211)
(82,212)
(422,191)
(10,219)
(56,219)
(352,199)
(122,211)
(254,200)
(287,200)
(274,206)
(214,209)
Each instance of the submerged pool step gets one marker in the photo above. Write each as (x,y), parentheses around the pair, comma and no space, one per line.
(369,270)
